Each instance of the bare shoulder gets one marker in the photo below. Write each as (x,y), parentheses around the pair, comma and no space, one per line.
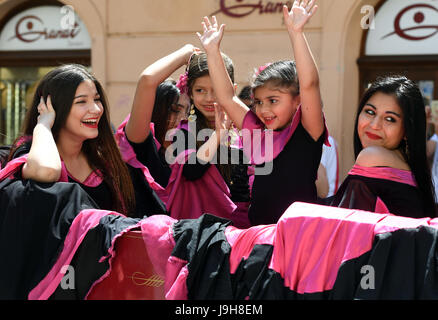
(381,157)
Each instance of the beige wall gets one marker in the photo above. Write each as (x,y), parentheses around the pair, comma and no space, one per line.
(128,35)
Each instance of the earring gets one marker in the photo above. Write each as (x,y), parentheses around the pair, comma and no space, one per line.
(192,116)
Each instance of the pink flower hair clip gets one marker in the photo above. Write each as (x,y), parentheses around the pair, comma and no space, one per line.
(261,68)
(182,83)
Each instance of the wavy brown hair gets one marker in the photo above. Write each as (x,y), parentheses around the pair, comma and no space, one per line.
(102,152)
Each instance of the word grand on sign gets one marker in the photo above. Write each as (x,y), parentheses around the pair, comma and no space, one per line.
(25,30)
(243,9)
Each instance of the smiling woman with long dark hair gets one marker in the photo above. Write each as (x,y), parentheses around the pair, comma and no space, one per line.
(67,135)
(391,173)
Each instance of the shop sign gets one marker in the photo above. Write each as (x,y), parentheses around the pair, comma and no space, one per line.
(243,8)
(45,28)
(404,27)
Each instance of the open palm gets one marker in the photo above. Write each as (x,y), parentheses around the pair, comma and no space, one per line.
(212,36)
(300,14)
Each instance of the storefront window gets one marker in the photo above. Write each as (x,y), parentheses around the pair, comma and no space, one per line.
(17,86)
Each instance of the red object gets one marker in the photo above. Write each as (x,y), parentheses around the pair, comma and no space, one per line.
(132,275)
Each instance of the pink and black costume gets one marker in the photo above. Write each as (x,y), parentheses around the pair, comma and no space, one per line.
(197,188)
(294,160)
(381,190)
(314,252)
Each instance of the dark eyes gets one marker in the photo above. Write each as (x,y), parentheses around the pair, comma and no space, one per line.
(371,112)
(259,103)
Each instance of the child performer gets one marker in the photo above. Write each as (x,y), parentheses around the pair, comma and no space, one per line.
(141,140)
(287,100)
(199,185)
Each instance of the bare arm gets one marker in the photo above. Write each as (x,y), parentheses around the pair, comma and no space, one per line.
(43,162)
(322,185)
(137,129)
(308,76)
(207,151)
(223,86)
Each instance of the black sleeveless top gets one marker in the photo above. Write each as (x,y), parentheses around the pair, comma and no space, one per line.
(293,176)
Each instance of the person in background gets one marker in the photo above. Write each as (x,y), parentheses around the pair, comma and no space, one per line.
(246,96)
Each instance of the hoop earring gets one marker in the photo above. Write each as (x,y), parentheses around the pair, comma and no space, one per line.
(192,115)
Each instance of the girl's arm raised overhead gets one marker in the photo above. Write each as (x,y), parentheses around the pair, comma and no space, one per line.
(43,161)
(295,20)
(222,84)
(137,128)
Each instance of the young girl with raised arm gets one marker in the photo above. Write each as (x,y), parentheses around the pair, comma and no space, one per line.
(198,184)
(287,100)
(141,140)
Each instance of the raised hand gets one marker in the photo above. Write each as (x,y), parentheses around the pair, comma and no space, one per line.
(46,113)
(212,36)
(299,15)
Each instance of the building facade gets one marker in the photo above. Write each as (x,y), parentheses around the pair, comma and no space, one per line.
(353,41)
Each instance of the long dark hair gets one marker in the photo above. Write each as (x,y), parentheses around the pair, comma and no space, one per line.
(413,148)
(167,95)
(102,152)
(198,67)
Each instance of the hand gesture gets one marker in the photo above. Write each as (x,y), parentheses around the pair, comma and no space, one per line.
(46,113)
(212,36)
(299,15)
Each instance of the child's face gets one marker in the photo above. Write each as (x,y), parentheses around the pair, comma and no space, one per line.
(87,109)
(203,96)
(380,122)
(275,107)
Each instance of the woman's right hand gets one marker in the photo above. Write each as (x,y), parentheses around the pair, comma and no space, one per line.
(46,112)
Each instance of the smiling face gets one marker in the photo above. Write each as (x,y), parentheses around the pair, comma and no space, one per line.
(203,96)
(85,113)
(380,122)
(275,107)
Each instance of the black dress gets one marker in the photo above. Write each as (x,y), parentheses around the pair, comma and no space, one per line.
(293,175)
(147,201)
(382,190)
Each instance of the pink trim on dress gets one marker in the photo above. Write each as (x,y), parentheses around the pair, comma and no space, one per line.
(257,150)
(130,157)
(84,221)
(387,173)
